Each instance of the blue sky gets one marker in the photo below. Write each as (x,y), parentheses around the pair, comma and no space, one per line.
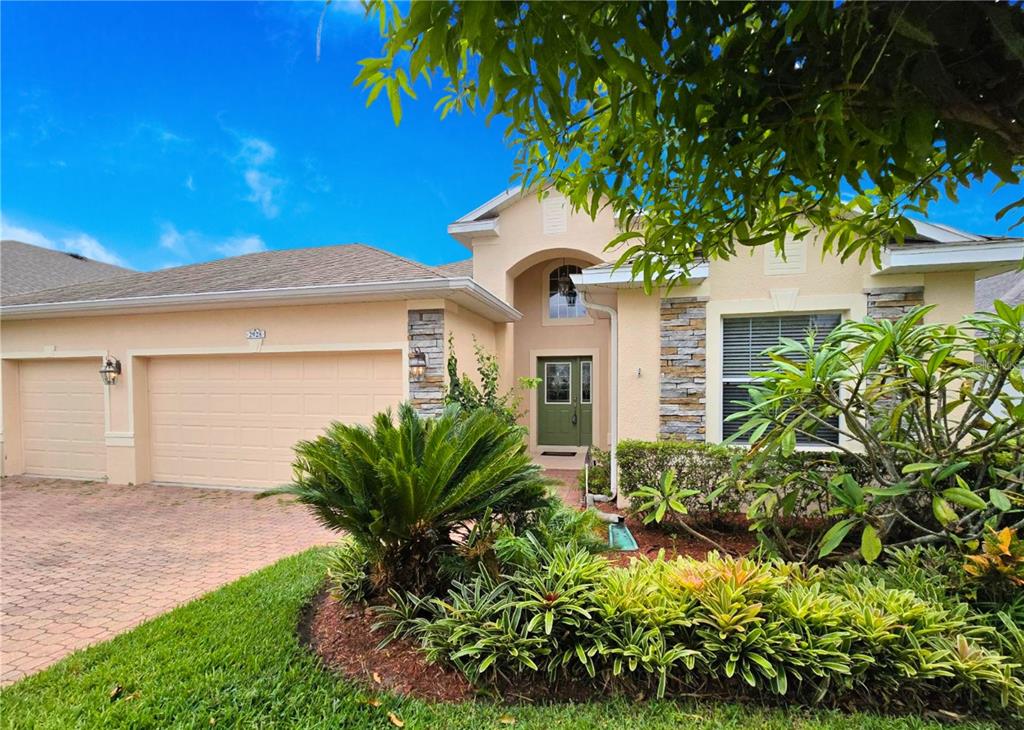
(156,134)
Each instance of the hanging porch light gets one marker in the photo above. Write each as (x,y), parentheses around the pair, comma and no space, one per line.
(565,286)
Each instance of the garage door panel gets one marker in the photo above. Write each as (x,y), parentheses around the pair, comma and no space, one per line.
(62,423)
(234,421)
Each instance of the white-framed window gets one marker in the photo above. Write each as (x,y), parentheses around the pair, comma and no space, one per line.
(586,375)
(744,340)
(564,306)
(557,382)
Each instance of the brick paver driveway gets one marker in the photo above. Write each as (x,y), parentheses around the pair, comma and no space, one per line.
(81,562)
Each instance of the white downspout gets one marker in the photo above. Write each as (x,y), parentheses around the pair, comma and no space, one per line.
(613,409)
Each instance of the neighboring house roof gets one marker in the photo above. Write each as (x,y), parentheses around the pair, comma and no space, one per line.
(27,268)
(352,271)
(1007,287)
(457,268)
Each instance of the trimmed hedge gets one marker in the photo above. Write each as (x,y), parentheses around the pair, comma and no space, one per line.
(700,466)
(706,467)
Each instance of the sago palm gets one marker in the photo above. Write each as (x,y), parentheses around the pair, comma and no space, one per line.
(401,489)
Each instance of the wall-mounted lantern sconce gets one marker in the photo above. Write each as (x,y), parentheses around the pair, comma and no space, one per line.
(417,364)
(110,370)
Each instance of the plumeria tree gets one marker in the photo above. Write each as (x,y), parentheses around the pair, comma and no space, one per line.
(930,420)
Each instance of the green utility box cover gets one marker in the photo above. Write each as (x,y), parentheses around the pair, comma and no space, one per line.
(620,538)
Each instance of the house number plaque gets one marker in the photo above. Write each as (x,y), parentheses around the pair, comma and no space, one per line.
(255,334)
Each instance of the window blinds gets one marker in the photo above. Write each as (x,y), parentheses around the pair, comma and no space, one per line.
(744,341)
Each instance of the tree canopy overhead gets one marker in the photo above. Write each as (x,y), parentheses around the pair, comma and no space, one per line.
(711,126)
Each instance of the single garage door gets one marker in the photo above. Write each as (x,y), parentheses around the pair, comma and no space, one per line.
(233,420)
(62,429)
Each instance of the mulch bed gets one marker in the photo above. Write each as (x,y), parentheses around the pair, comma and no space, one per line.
(651,539)
(730,532)
(342,634)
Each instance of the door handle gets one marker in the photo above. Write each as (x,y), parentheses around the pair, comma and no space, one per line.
(574,418)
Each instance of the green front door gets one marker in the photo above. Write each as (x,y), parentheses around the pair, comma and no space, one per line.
(565,401)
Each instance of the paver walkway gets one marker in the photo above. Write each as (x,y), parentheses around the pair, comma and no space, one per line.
(82,562)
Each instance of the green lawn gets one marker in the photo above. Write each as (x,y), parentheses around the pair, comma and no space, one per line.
(232,659)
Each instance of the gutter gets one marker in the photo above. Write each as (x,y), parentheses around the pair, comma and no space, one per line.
(479,299)
(613,410)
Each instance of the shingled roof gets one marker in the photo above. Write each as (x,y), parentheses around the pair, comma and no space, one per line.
(353,263)
(457,268)
(26,268)
(1007,287)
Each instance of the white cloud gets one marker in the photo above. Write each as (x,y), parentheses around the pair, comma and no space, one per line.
(192,245)
(158,132)
(92,249)
(262,189)
(253,158)
(256,152)
(190,183)
(241,245)
(172,239)
(80,243)
(9,231)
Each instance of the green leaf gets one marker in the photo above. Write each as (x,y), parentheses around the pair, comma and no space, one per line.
(835,536)
(395,97)
(999,500)
(942,511)
(920,466)
(964,497)
(896,490)
(788,444)
(870,544)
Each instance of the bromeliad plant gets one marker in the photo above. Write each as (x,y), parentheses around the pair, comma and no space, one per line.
(930,417)
(762,628)
(405,490)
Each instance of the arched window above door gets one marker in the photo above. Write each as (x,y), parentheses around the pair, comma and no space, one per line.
(563,300)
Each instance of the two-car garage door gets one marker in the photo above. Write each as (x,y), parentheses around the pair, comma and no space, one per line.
(228,420)
(232,420)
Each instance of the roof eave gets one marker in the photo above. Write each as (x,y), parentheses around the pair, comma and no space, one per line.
(467,232)
(461,289)
(968,256)
(622,277)
(491,206)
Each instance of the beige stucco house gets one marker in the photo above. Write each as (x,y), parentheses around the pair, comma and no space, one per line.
(224,365)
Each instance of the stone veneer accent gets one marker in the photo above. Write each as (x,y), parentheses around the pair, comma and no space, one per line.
(426,332)
(683,368)
(893,302)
